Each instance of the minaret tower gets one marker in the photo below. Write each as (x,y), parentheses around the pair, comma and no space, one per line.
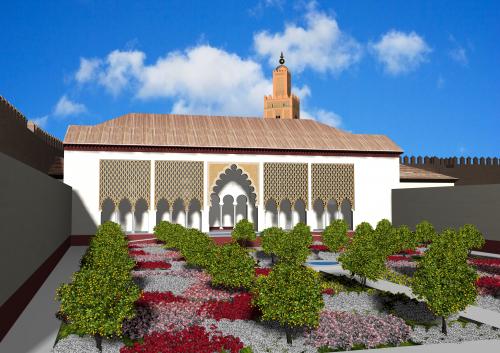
(282,104)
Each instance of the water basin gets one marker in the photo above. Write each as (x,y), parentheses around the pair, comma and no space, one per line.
(322,263)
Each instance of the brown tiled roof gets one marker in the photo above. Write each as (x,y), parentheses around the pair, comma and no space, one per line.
(407,173)
(224,132)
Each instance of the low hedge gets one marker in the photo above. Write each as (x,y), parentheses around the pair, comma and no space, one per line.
(169,233)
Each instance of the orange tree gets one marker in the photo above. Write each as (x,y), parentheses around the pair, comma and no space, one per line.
(243,232)
(335,235)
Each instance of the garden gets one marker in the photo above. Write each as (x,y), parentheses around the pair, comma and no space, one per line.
(183,293)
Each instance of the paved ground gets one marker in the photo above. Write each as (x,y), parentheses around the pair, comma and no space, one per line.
(36,329)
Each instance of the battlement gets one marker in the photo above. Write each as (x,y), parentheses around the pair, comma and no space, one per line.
(449,162)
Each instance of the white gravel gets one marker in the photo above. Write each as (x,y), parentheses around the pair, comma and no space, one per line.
(85,344)
(330,256)
(161,283)
(353,302)
(262,337)
(488,302)
(456,333)
(154,250)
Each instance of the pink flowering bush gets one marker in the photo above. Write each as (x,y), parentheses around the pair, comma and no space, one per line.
(343,330)
(203,291)
(319,247)
(262,271)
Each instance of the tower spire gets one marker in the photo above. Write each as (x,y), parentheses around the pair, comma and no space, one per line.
(282,59)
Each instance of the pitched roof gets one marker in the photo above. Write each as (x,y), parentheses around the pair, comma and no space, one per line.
(407,173)
(173,130)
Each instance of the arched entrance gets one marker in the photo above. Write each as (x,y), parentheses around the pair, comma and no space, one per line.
(232,199)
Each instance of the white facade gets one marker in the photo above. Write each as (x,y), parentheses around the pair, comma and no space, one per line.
(416,184)
(374,178)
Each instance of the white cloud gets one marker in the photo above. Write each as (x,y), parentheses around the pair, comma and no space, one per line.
(401,52)
(121,67)
(320,45)
(65,107)
(41,121)
(323,116)
(459,54)
(87,69)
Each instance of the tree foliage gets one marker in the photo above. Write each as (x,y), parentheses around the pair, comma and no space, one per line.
(335,235)
(231,267)
(290,295)
(169,233)
(425,232)
(443,278)
(471,237)
(196,247)
(363,256)
(243,231)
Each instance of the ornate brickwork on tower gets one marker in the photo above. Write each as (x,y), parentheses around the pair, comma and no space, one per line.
(282,104)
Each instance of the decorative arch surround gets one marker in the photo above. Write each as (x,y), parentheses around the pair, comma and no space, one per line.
(124,179)
(285,181)
(178,180)
(332,181)
(216,170)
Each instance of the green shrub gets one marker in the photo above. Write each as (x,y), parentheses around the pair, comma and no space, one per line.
(406,239)
(269,239)
(471,237)
(363,255)
(169,233)
(443,278)
(96,302)
(290,295)
(335,235)
(231,267)
(291,248)
(424,232)
(196,247)
(302,234)
(243,232)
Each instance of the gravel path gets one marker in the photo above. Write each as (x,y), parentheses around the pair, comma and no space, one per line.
(456,333)
(488,302)
(85,344)
(162,283)
(352,301)
(263,338)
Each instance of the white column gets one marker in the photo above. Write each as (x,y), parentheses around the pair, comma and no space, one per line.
(205,221)
(309,206)
(186,210)
(325,209)
(261,214)
(248,216)
(152,205)
(279,214)
(133,218)
(221,222)
(234,213)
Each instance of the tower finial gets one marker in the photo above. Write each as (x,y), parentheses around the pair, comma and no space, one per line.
(282,59)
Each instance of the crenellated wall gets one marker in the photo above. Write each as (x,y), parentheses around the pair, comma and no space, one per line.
(470,171)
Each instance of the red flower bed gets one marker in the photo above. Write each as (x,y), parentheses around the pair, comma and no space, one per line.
(319,247)
(398,258)
(262,271)
(240,308)
(485,262)
(159,297)
(194,339)
(137,252)
(488,282)
(328,291)
(410,252)
(151,265)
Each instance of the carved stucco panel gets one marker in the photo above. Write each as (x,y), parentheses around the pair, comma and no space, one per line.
(285,181)
(332,181)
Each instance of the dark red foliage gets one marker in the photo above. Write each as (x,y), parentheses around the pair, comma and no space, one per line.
(328,291)
(485,262)
(180,259)
(398,258)
(488,282)
(137,252)
(262,271)
(410,252)
(194,339)
(319,247)
(240,308)
(151,265)
(159,297)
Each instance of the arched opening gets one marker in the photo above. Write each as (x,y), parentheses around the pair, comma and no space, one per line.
(285,220)
(108,211)
(194,214)
(227,211)
(331,211)
(232,185)
(319,213)
(141,216)
(299,212)
(214,212)
(125,215)
(271,214)
(179,212)
(162,211)
(346,211)
(241,208)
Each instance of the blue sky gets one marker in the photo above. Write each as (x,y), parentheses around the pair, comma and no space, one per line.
(425,73)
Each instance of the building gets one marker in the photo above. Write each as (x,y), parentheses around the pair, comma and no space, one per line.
(208,172)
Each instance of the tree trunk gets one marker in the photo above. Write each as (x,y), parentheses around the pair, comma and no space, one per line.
(272,259)
(288,336)
(443,326)
(98,342)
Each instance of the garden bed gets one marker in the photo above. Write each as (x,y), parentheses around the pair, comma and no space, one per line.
(180,311)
